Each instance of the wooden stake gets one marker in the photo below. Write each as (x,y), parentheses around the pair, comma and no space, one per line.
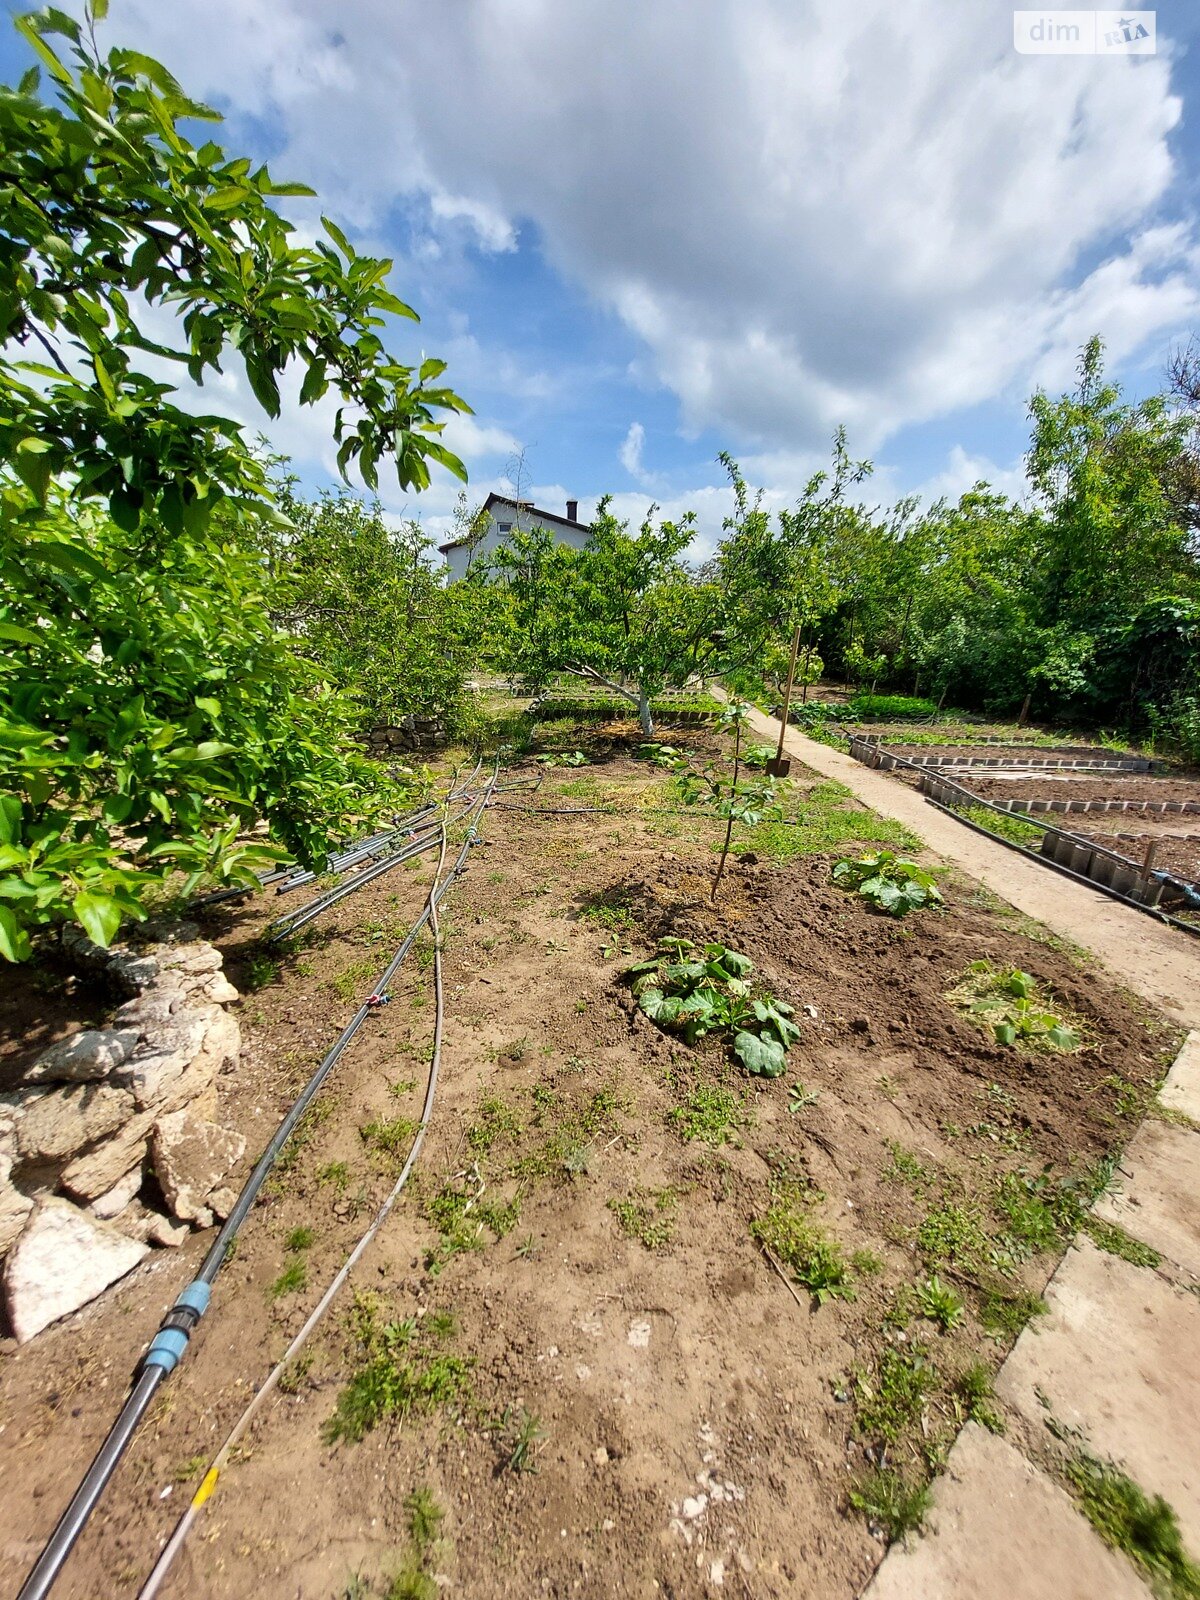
(787,697)
(1148,859)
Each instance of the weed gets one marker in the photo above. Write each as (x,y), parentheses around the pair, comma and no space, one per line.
(424,1519)
(293,1378)
(608,914)
(1033,1223)
(497,1120)
(953,1233)
(1004,1314)
(529,1248)
(291,1280)
(402,1086)
(260,970)
(515,1050)
(1109,1236)
(460,1219)
(336,1173)
(800,1098)
(647,1216)
(710,1114)
(822,819)
(905,1168)
(189,1469)
(299,1239)
(886,1497)
(974,1393)
(346,984)
(403,1372)
(891,1399)
(1145,1528)
(940,1303)
(815,1260)
(392,1138)
(411,1582)
(528,1436)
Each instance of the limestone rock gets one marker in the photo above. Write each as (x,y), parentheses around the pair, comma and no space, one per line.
(61,1261)
(83,1057)
(64,1121)
(191,1156)
(222,1201)
(197,1043)
(118,1197)
(218,991)
(151,1010)
(14,1208)
(93,1175)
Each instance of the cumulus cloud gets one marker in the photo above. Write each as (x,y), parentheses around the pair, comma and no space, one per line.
(809,213)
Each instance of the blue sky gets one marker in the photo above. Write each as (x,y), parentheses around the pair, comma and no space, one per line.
(641,233)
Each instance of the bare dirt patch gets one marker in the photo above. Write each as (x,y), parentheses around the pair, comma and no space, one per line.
(645,1407)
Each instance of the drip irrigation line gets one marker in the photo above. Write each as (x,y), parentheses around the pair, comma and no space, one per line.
(354,858)
(171,1341)
(285,926)
(209,1482)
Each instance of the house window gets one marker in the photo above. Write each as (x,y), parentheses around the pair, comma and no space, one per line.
(505,527)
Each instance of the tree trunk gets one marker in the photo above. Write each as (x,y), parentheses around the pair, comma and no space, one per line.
(1024,711)
(645,715)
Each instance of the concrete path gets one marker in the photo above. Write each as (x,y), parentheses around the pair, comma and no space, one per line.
(1110,1370)
(1144,955)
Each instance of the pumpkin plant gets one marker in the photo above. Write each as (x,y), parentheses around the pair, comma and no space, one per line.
(696,993)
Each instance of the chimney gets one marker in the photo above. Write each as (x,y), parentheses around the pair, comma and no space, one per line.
(572,510)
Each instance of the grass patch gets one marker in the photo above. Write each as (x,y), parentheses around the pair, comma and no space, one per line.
(904,1167)
(300,1239)
(496,1120)
(1004,1314)
(1003,824)
(814,1259)
(1144,1528)
(405,1370)
(975,1396)
(711,1114)
(890,1400)
(391,1137)
(820,819)
(1109,1236)
(955,1234)
(890,1500)
(462,1219)
(647,1215)
(291,1280)
(346,983)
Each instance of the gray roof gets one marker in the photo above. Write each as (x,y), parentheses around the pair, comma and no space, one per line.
(540,519)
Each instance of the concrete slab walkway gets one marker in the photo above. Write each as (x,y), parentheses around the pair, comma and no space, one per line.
(1111,1371)
(1153,960)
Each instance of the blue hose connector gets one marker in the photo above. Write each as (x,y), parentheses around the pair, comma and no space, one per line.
(166,1348)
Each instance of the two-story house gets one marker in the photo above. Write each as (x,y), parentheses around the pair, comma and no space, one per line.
(498,518)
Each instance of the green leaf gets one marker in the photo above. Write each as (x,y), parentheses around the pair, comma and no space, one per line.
(14,941)
(1005,1032)
(10,818)
(100,916)
(765,1058)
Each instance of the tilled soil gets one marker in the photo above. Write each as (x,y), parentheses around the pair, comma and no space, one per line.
(658,1418)
(1115,786)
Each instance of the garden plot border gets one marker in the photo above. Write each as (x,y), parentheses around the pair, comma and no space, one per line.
(874,753)
(1081,859)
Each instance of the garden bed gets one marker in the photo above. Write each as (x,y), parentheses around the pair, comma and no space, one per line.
(682,1328)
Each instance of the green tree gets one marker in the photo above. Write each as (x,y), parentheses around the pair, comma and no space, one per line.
(149,712)
(368,606)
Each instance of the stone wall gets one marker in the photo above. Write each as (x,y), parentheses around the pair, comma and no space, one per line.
(110,1145)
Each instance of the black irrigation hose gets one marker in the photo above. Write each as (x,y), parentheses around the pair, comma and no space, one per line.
(284,927)
(353,858)
(211,1478)
(170,1342)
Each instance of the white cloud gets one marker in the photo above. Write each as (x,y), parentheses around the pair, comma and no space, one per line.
(810,213)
